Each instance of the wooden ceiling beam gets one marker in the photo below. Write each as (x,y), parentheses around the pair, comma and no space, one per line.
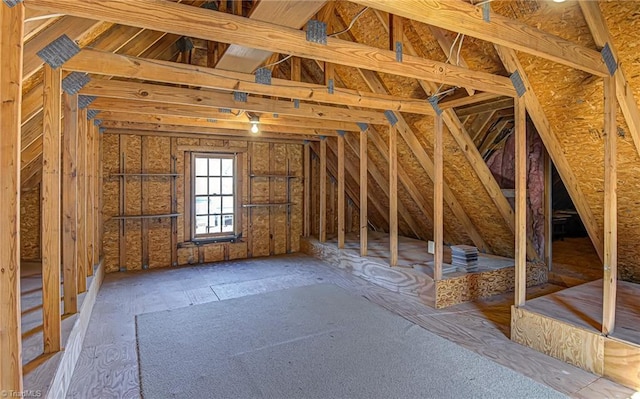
(103,63)
(212,25)
(467,19)
(601,35)
(215,127)
(505,103)
(468,100)
(210,99)
(217,116)
(221,134)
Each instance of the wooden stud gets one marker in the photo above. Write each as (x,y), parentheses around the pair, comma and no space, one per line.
(295,69)
(11,28)
(69,203)
(81,232)
(438,195)
(364,228)
(174,202)
(396,31)
(90,189)
(307,190)
(393,195)
(610,208)
(51,194)
(521,202)
(144,202)
(322,233)
(341,202)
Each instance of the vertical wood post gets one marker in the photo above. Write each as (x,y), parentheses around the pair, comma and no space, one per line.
(81,233)
(393,195)
(610,208)
(438,197)
(521,202)
(341,210)
(96,205)
(364,155)
(307,190)
(322,231)
(91,164)
(51,192)
(11,28)
(69,203)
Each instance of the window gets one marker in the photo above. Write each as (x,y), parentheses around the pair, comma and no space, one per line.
(214,196)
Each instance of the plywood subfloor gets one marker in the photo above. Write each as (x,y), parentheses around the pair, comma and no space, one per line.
(108,364)
(413,253)
(582,306)
(575,261)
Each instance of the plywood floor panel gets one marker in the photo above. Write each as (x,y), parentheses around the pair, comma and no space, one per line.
(110,369)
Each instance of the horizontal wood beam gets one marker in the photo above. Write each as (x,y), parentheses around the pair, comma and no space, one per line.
(213,25)
(265,119)
(210,99)
(468,100)
(504,103)
(467,19)
(105,63)
(221,135)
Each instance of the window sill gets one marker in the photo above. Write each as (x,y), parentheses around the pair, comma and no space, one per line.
(210,240)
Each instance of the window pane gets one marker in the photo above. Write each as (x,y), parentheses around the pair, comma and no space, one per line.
(201,225)
(227,185)
(201,185)
(214,224)
(215,205)
(201,206)
(214,166)
(227,204)
(201,166)
(214,185)
(227,167)
(227,223)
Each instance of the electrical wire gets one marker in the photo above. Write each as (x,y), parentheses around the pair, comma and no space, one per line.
(277,62)
(353,21)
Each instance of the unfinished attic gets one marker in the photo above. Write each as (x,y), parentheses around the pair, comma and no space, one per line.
(319,199)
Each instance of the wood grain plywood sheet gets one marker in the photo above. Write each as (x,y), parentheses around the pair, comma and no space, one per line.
(293,14)
(622,362)
(561,340)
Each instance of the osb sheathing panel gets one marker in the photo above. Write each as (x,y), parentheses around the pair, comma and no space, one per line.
(132,147)
(458,174)
(157,155)
(30,224)
(110,201)
(573,102)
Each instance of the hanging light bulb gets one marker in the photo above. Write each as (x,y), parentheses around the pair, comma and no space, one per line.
(255,122)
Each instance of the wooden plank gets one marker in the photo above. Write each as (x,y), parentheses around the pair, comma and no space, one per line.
(221,135)
(468,19)
(555,149)
(469,100)
(307,190)
(69,203)
(446,44)
(438,198)
(601,35)
(171,72)
(51,194)
(212,25)
(500,104)
(144,202)
(548,210)
(610,208)
(520,133)
(564,341)
(393,195)
(364,217)
(341,202)
(11,28)
(81,200)
(204,99)
(322,235)
(622,362)
(174,200)
(292,14)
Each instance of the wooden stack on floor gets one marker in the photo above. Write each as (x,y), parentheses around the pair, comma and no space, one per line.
(464,257)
